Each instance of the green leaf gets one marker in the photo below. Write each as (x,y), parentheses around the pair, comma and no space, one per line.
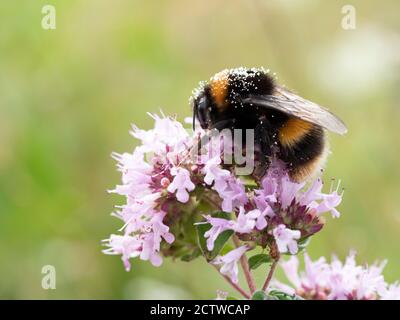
(259,295)
(201,230)
(251,186)
(226,248)
(231,298)
(303,243)
(279,295)
(258,259)
(222,215)
(219,242)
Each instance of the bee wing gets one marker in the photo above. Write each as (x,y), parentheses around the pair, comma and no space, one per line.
(292,104)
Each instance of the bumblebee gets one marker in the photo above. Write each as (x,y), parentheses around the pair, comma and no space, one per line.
(285,125)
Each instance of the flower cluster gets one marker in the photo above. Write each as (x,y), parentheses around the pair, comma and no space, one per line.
(337,281)
(150,176)
(157,176)
(165,183)
(280,212)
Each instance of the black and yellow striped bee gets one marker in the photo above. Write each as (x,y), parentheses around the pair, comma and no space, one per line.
(285,124)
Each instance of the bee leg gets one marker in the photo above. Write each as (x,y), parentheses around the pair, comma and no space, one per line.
(263,143)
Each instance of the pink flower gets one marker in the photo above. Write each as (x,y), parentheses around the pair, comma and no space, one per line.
(138,184)
(149,249)
(329,202)
(291,269)
(337,280)
(160,230)
(214,173)
(131,162)
(181,184)
(261,222)
(390,292)
(246,222)
(166,132)
(230,189)
(146,172)
(137,212)
(315,272)
(269,188)
(314,280)
(136,172)
(277,187)
(233,196)
(218,225)
(289,191)
(286,239)
(127,246)
(312,194)
(294,205)
(356,282)
(229,263)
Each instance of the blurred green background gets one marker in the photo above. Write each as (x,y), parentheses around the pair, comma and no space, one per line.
(68,97)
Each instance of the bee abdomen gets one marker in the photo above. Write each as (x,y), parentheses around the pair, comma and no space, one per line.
(303,148)
(293,130)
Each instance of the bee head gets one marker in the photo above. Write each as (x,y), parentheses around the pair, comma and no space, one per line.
(202,110)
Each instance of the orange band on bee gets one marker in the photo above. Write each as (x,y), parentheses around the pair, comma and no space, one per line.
(293,131)
(219,89)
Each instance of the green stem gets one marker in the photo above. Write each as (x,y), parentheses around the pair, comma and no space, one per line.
(270,274)
(234,285)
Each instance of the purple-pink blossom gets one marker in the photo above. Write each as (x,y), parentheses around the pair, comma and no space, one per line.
(230,189)
(215,174)
(181,184)
(390,292)
(337,280)
(218,225)
(286,239)
(127,246)
(233,195)
(229,263)
(153,167)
